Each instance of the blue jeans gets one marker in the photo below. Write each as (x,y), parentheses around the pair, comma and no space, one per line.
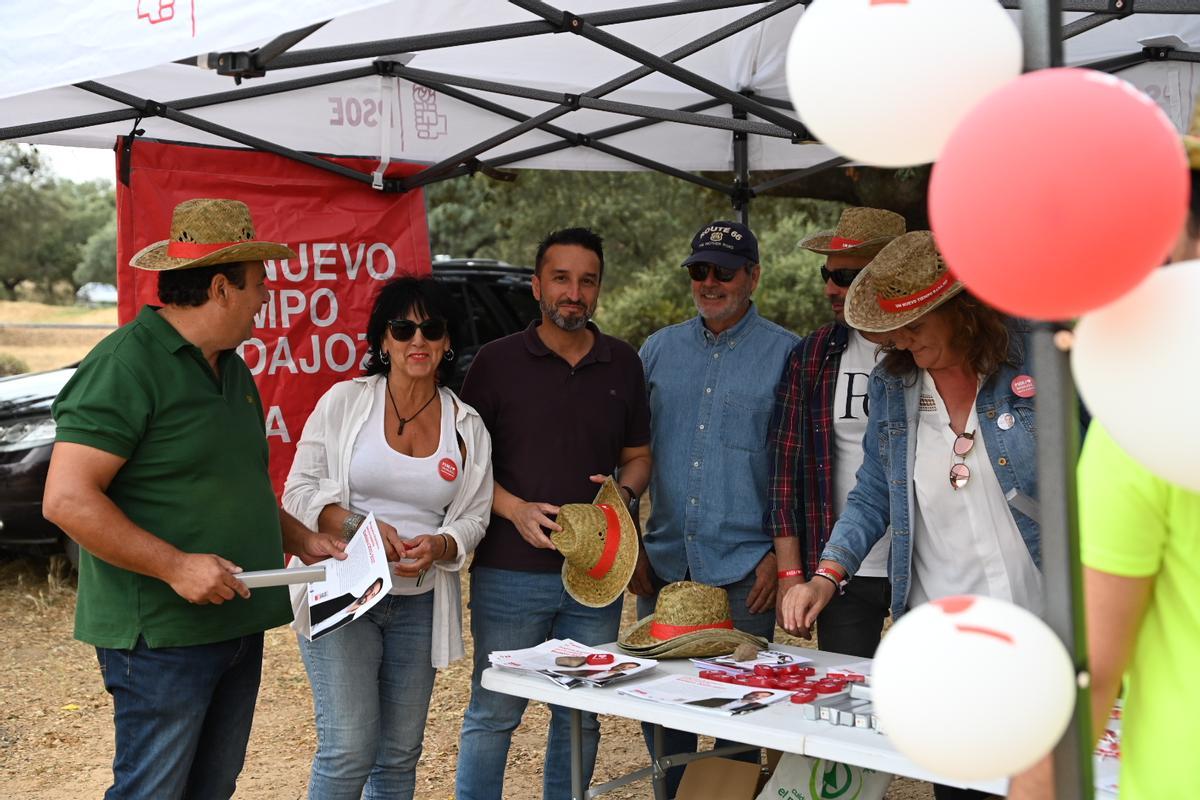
(512,610)
(182,717)
(761,624)
(371,682)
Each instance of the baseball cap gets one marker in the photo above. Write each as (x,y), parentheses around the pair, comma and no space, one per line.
(724,243)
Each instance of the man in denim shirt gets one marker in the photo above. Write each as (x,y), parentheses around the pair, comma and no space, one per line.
(711,382)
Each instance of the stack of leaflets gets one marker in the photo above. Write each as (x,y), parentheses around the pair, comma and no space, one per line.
(569,663)
(702,694)
(769,658)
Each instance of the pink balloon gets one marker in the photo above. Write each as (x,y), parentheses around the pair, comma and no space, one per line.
(1058,193)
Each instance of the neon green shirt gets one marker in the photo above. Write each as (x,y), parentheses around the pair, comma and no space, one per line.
(1135,524)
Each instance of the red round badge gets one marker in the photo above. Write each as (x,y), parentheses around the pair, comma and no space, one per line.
(597,659)
(1023,386)
(447,469)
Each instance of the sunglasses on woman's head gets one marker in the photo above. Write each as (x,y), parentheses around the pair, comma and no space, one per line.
(840,277)
(402,330)
(724,274)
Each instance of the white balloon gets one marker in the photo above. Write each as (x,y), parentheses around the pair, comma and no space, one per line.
(885,82)
(972,688)
(1134,362)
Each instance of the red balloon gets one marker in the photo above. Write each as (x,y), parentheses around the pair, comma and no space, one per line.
(1058,193)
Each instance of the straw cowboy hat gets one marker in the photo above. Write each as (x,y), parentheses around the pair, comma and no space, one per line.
(599,544)
(859,232)
(906,281)
(690,620)
(206,232)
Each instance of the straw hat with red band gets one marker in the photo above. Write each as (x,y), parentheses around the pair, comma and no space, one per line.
(859,232)
(906,281)
(599,546)
(206,232)
(690,620)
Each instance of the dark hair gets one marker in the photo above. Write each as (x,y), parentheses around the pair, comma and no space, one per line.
(979,330)
(395,300)
(583,237)
(189,287)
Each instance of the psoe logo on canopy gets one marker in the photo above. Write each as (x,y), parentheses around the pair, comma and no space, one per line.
(157,12)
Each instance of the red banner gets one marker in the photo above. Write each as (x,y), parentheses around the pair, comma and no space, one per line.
(350,240)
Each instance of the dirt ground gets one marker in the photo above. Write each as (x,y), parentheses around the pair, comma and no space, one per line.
(50,348)
(56,720)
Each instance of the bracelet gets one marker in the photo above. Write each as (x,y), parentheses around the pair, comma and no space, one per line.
(790,573)
(836,585)
(445,546)
(351,524)
(833,577)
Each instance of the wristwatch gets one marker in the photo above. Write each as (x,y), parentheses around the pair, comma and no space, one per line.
(633,502)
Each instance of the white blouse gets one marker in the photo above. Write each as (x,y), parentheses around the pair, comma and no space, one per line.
(965,541)
(320,475)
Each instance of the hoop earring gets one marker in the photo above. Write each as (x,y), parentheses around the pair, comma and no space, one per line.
(448,355)
(384,358)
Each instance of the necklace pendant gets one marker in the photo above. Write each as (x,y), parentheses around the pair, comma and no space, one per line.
(400,427)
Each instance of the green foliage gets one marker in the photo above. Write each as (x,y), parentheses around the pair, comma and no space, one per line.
(99,257)
(46,221)
(647,221)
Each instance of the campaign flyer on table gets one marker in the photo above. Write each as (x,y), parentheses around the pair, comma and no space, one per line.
(571,664)
(703,694)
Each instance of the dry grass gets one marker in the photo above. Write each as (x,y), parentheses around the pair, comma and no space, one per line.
(50,348)
(56,721)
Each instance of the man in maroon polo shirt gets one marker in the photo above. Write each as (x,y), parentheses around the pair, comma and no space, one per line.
(565,406)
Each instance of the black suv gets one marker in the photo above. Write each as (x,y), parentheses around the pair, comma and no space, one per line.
(495,299)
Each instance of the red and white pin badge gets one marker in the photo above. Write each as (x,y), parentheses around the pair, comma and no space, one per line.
(447,469)
(1023,386)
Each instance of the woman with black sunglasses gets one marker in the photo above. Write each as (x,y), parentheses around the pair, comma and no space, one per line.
(949,457)
(397,444)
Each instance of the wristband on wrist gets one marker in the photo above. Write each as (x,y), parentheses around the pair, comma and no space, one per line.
(790,573)
(833,577)
(445,546)
(633,498)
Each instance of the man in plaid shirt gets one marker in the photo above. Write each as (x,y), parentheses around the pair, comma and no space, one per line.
(816,441)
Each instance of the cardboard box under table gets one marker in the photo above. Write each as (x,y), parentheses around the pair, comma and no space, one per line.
(780,726)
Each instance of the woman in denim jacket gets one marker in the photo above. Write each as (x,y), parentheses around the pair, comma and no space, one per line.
(950,448)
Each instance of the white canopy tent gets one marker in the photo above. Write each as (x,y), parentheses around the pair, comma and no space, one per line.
(680,87)
(671,86)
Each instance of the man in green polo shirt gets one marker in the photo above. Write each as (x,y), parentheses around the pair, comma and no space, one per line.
(159,472)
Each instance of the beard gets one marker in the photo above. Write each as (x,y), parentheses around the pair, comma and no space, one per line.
(570,324)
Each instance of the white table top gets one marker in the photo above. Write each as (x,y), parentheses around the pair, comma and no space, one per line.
(779,726)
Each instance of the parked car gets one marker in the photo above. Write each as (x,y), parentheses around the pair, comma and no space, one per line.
(495,300)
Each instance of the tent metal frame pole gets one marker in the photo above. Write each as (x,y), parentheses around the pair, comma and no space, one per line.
(1057,455)
(492,33)
(1085,24)
(627,78)
(782,180)
(1106,6)
(666,65)
(263,56)
(577,139)
(428,78)
(226,133)
(1118,63)
(742,193)
(197,101)
(555,147)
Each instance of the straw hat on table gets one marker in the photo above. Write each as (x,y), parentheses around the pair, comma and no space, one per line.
(690,620)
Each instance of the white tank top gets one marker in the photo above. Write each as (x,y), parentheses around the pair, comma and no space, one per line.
(411,494)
